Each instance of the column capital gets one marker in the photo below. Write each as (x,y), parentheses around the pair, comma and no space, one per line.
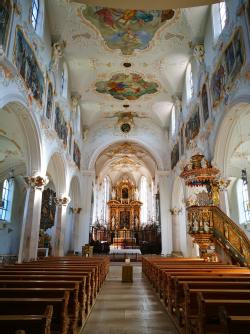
(161,173)
(75,210)
(175,211)
(62,201)
(88,173)
(36,182)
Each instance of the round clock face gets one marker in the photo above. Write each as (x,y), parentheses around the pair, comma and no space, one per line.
(125,127)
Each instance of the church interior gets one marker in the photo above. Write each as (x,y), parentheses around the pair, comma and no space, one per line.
(124,166)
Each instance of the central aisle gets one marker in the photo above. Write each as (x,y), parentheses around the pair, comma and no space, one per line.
(128,308)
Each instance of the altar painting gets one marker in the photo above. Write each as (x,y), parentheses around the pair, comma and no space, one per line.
(175,155)
(49,101)
(204,100)
(48,209)
(27,66)
(125,219)
(192,126)
(77,155)
(5,16)
(126,86)
(126,30)
(61,126)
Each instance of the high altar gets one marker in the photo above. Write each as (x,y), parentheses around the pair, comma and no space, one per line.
(124,214)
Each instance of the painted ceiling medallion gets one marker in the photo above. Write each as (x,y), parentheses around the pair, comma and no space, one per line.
(126,30)
(126,86)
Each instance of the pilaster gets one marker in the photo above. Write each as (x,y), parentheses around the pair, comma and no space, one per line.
(31,218)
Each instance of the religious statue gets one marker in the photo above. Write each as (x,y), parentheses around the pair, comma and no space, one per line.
(136,222)
(136,194)
(113,194)
(113,222)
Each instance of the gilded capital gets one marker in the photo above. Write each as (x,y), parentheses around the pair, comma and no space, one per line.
(38,182)
(62,201)
(175,211)
(76,210)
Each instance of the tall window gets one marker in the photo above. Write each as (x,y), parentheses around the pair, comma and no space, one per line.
(106,191)
(35,13)
(5,204)
(173,121)
(144,199)
(243,202)
(223,14)
(62,81)
(189,82)
(219,15)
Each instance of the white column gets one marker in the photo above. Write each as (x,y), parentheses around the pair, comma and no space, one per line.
(60,221)
(176,229)
(87,180)
(75,232)
(166,219)
(31,218)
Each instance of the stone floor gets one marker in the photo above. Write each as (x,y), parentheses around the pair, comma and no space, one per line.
(128,308)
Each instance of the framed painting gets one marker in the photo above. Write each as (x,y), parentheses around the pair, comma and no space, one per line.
(61,126)
(175,155)
(49,104)
(234,56)
(77,155)
(193,126)
(48,209)
(204,102)
(5,21)
(182,141)
(27,66)
(70,139)
(218,84)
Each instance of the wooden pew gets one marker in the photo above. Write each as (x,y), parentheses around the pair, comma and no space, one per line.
(232,324)
(31,324)
(190,306)
(208,312)
(29,306)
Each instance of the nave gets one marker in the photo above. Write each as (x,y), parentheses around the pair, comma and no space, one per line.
(128,308)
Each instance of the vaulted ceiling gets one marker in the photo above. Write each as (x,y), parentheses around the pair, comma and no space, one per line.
(126,60)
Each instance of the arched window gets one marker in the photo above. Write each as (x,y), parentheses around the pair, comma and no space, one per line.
(6,200)
(64,81)
(189,82)
(144,199)
(106,193)
(243,202)
(35,13)
(173,121)
(219,14)
(223,14)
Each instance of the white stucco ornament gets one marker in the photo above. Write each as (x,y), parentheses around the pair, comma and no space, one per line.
(199,52)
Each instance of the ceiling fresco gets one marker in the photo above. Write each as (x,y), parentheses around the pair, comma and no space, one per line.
(127,30)
(126,86)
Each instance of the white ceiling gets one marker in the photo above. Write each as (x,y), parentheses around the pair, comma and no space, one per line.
(90,60)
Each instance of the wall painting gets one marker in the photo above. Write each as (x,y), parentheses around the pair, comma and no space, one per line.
(49,101)
(70,139)
(228,68)
(192,126)
(204,100)
(5,17)
(175,155)
(126,86)
(48,209)
(61,126)
(27,66)
(126,30)
(77,155)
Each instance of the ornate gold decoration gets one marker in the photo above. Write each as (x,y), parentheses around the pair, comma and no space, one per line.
(62,201)
(75,210)
(175,211)
(36,181)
